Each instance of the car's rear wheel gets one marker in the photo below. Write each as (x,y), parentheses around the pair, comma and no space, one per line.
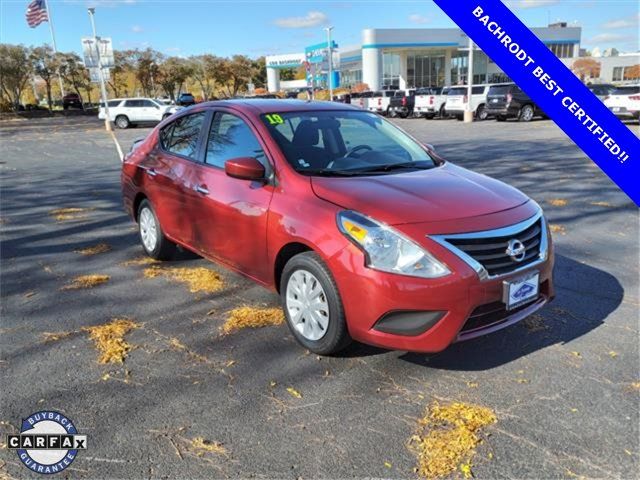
(430,116)
(122,121)
(526,113)
(481,113)
(312,305)
(155,244)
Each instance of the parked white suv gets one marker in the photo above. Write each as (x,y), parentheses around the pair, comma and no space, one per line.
(130,111)
(624,101)
(457,100)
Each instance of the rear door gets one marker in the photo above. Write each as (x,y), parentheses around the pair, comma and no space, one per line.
(149,111)
(133,110)
(169,170)
(231,214)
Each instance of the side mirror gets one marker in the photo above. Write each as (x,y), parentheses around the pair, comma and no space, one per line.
(430,147)
(245,168)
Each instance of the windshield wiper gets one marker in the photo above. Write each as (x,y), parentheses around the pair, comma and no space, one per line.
(394,166)
(329,173)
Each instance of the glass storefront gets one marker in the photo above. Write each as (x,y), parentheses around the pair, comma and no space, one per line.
(350,77)
(390,70)
(459,68)
(425,69)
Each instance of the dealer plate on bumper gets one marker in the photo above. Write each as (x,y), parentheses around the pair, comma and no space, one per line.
(516,293)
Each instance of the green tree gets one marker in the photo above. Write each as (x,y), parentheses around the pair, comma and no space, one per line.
(172,73)
(15,71)
(147,70)
(46,66)
(124,65)
(74,73)
(234,74)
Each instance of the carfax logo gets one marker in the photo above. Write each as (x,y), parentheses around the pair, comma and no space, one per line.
(48,442)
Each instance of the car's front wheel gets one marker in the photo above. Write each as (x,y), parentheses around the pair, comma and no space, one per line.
(122,121)
(155,244)
(312,305)
(481,113)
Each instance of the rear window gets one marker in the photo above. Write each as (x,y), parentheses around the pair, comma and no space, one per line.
(500,89)
(457,91)
(627,90)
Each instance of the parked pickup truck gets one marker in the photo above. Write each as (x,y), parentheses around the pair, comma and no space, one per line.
(379,101)
(430,102)
(360,99)
(509,101)
(402,103)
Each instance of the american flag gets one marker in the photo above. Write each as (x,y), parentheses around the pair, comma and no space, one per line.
(37,13)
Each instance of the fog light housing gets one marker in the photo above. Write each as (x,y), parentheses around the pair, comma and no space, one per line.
(408,323)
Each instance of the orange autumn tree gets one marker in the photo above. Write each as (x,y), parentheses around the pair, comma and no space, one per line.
(586,68)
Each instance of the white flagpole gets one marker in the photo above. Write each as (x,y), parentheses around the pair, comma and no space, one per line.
(53,41)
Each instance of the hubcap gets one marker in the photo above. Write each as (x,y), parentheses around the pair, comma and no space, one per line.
(306,303)
(148,230)
(528,113)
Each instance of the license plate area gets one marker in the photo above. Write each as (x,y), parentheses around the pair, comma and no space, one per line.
(518,292)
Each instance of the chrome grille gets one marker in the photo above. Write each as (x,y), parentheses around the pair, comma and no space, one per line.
(486,251)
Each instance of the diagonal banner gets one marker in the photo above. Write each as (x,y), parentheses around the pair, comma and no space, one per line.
(549,83)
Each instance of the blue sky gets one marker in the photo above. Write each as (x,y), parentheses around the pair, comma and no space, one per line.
(272,27)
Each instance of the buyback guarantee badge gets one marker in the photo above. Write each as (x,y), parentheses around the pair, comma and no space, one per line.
(48,442)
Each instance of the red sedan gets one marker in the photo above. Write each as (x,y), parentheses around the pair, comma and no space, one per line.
(365,233)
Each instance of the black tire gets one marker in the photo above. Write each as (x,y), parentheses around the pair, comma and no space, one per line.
(336,337)
(481,113)
(501,118)
(430,116)
(460,117)
(122,121)
(164,248)
(526,113)
(442,112)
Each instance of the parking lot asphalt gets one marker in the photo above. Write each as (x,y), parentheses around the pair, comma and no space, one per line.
(565,388)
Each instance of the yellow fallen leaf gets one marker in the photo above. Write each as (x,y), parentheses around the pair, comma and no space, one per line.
(574,410)
(272,383)
(558,202)
(465,468)
(560,229)
(387,464)
(613,354)
(472,384)
(252,317)
(576,354)
(293,392)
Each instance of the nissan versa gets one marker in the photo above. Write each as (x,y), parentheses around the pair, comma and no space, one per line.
(366,233)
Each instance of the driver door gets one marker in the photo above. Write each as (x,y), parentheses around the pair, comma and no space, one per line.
(230,214)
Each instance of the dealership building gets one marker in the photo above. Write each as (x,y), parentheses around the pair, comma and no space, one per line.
(423,57)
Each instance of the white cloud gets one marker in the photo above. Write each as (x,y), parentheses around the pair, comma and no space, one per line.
(611,37)
(137,29)
(312,19)
(419,19)
(523,4)
(622,22)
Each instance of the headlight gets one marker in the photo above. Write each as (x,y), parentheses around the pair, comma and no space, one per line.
(388,250)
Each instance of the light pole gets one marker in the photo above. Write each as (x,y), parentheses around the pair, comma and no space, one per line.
(103,88)
(330,49)
(468,112)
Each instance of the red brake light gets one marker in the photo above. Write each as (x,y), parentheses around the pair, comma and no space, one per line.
(431,99)
(379,101)
(404,101)
(607,97)
(464,99)
(634,97)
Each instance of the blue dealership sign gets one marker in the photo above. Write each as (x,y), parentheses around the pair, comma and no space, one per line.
(562,96)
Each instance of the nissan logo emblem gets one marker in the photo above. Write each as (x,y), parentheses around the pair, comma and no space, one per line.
(516,250)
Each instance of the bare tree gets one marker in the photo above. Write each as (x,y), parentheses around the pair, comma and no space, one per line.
(45,65)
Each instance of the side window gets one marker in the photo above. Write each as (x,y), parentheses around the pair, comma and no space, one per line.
(477,90)
(133,103)
(147,103)
(181,136)
(230,137)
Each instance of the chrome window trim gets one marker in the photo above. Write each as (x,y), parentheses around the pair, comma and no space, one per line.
(499,232)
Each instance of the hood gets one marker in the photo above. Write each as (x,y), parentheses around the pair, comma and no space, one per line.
(448,192)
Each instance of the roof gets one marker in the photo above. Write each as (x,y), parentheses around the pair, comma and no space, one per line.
(269,105)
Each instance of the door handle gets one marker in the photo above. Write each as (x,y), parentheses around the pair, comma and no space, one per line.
(151,172)
(201,189)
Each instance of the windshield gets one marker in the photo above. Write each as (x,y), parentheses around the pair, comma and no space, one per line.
(457,91)
(337,143)
(500,90)
(626,90)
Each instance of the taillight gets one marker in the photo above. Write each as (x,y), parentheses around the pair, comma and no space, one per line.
(509,97)
(431,99)
(607,97)
(404,101)
(464,99)
(634,97)
(379,101)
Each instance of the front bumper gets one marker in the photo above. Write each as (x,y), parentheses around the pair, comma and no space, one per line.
(623,112)
(470,306)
